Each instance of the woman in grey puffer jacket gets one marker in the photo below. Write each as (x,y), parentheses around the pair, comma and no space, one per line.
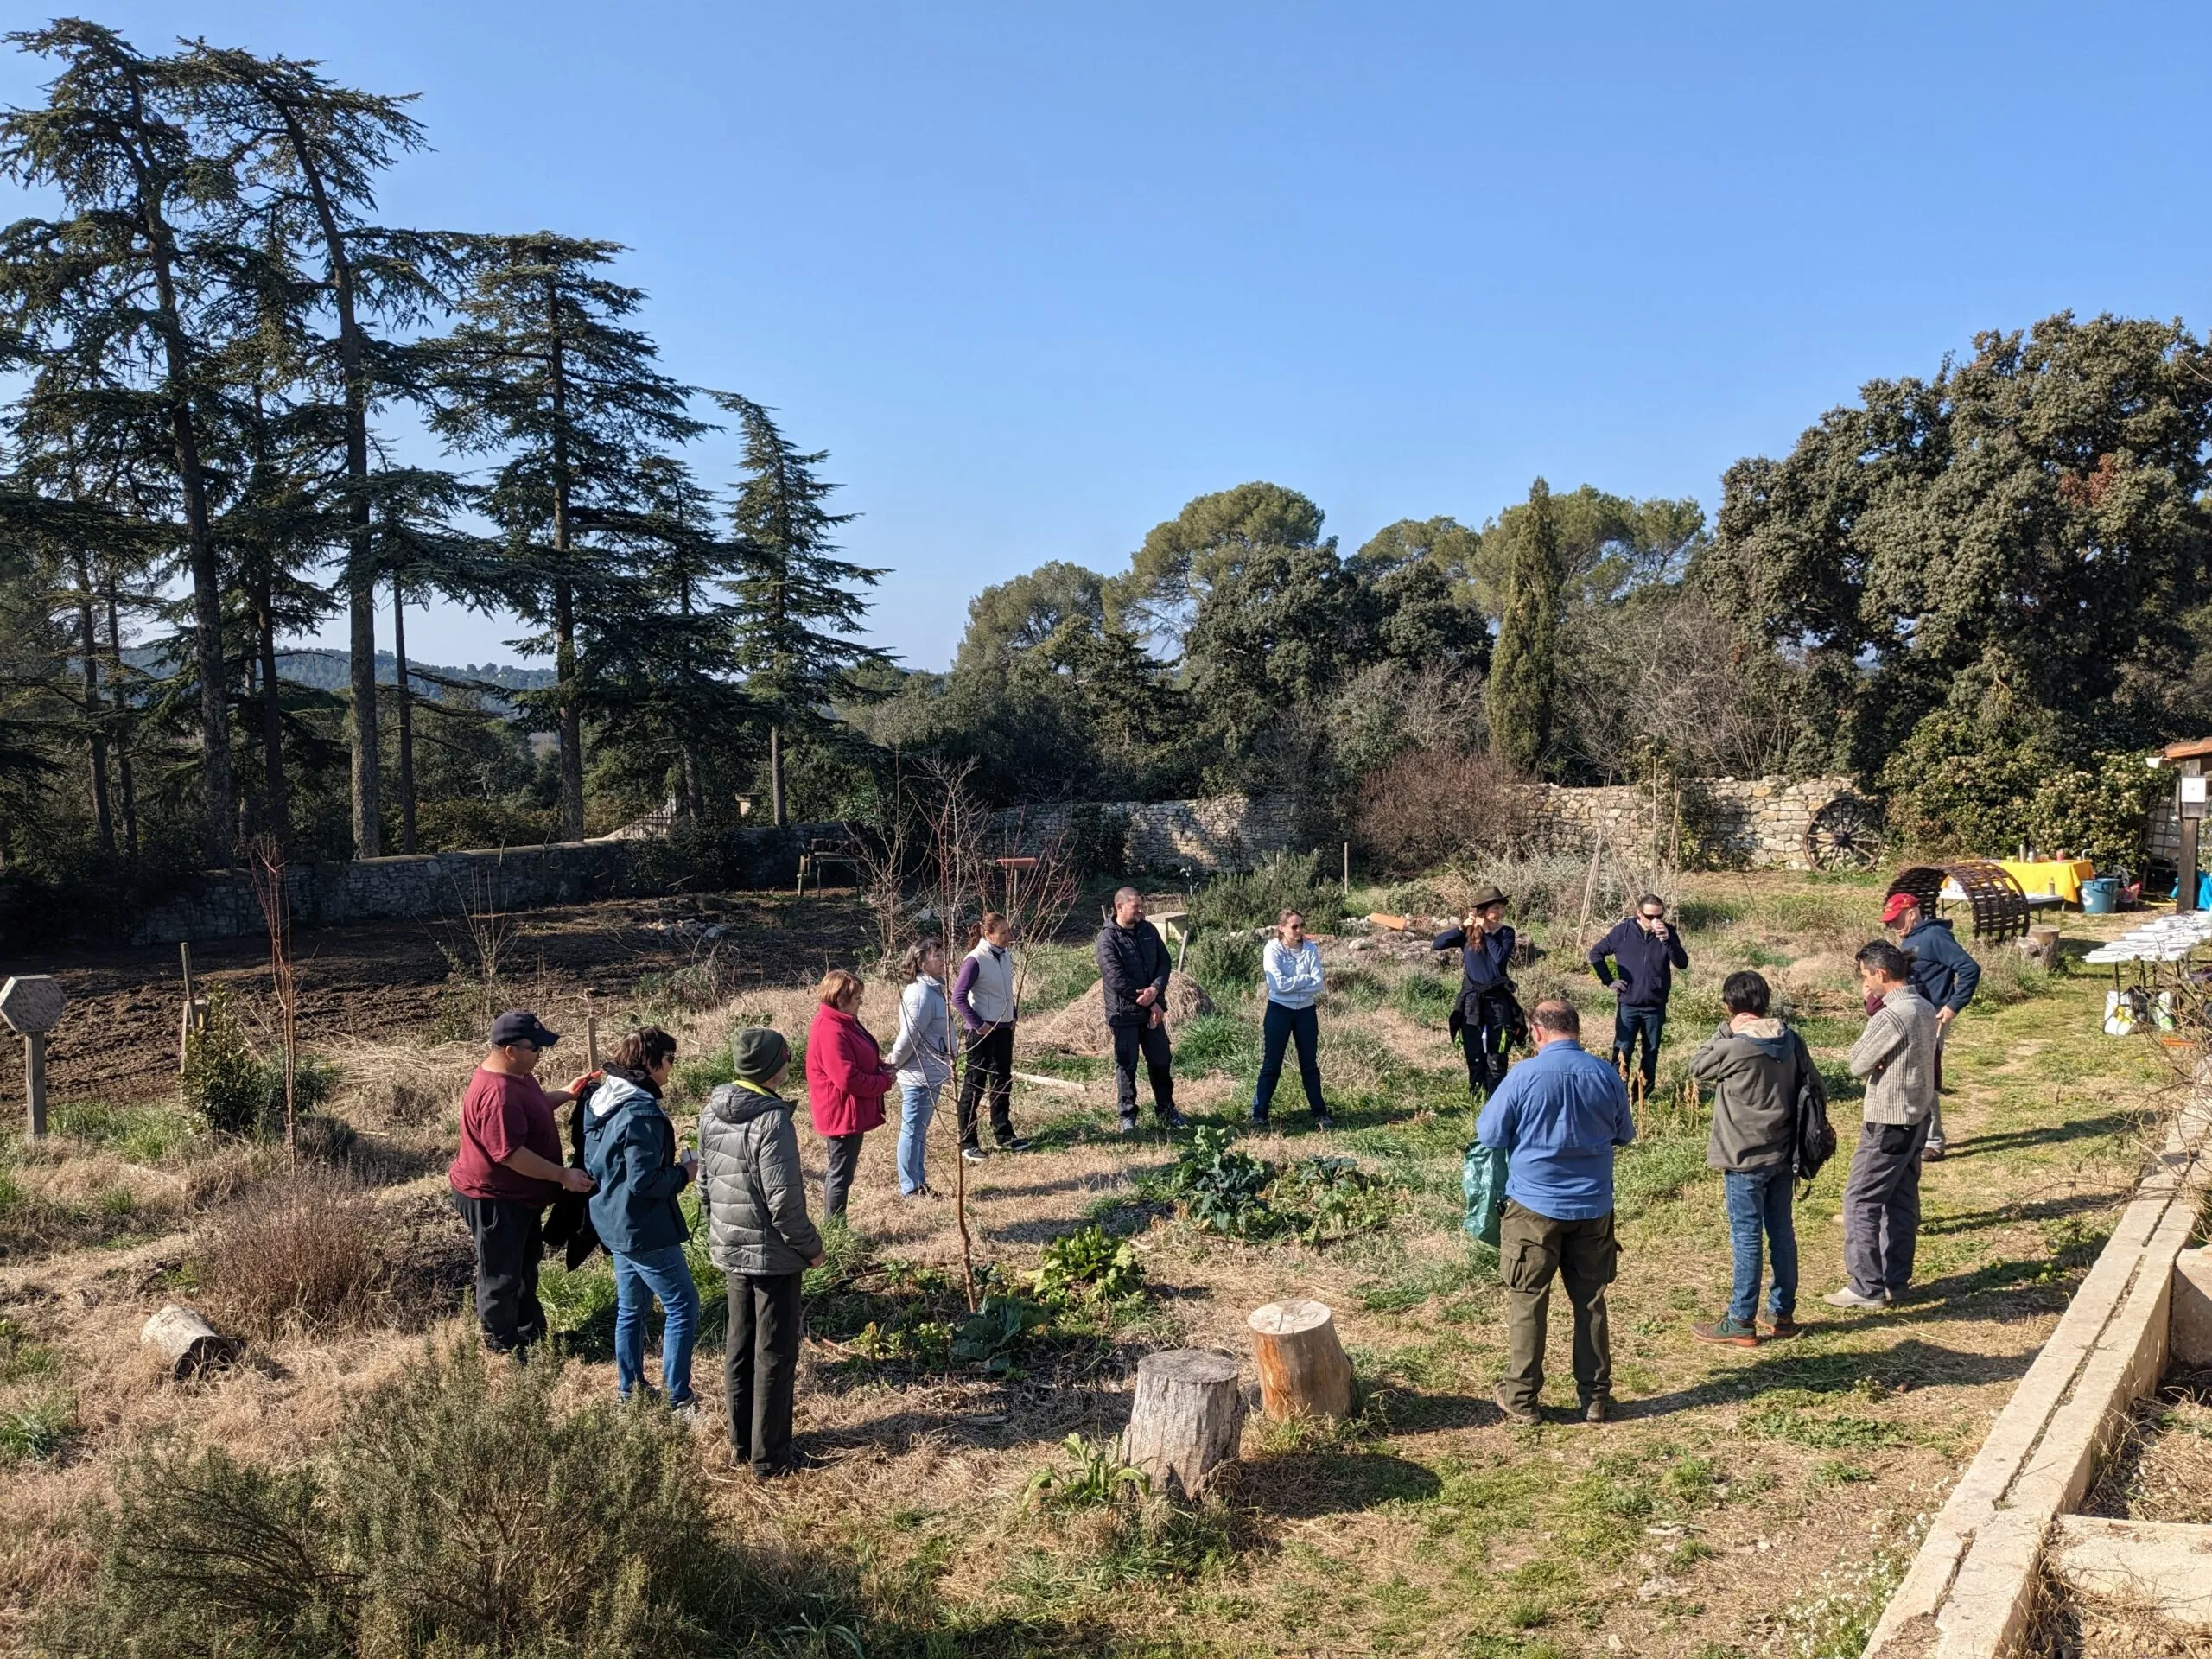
(754,1196)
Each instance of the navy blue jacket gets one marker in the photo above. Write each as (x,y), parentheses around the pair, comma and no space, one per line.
(1943,971)
(629,1150)
(1646,964)
(1482,962)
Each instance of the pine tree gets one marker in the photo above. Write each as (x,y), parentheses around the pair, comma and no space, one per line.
(545,370)
(121,304)
(314,151)
(1524,668)
(665,657)
(800,605)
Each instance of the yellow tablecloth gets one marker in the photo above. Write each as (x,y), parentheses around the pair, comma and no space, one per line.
(2051,875)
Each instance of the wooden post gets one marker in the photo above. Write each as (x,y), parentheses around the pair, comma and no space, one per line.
(188,1342)
(1303,1370)
(2185,871)
(591,1035)
(34,1080)
(1186,1418)
(184,1024)
(1347,869)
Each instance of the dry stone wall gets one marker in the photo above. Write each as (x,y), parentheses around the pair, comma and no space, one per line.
(1222,832)
(1737,823)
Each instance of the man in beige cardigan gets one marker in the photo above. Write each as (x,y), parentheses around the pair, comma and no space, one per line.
(1896,1054)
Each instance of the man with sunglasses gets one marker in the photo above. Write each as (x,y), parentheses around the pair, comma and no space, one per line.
(507,1169)
(1644,951)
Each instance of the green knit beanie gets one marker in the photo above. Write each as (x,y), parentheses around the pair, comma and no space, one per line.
(759,1052)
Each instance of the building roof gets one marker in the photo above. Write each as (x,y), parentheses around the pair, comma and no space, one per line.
(2189,748)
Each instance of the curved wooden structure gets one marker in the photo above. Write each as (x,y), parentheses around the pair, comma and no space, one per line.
(2000,909)
(1845,835)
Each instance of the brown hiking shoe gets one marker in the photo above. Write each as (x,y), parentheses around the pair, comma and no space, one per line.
(1726,1331)
(1527,1416)
(1778,1330)
(1599,1410)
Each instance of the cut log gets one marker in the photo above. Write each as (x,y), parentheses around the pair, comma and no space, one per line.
(1039,1080)
(1187,1418)
(1303,1370)
(2041,944)
(190,1343)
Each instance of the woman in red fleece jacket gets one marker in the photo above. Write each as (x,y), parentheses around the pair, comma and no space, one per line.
(846,1081)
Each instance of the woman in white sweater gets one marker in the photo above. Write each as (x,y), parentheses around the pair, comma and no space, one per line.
(922,1056)
(1291,963)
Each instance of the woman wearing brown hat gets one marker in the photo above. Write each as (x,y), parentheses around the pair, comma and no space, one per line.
(1487,1014)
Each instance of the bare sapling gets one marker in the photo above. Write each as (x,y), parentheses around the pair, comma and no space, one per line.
(266,860)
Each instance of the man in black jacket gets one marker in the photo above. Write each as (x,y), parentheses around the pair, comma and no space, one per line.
(1132,973)
(1645,951)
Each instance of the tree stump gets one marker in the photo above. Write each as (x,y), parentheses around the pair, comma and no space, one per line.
(1303,1370)
(2041,945)
(189,1343)
(1186,1420)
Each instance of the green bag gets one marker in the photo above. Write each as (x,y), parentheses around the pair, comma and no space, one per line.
(1481,1178)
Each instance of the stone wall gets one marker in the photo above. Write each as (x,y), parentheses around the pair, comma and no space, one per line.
(1223,832)
(429,886)
(1738,823)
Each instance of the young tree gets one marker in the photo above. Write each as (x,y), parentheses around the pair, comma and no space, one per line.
(1524,667)
(119,301)
(800,605)
(312,152)
(545,370)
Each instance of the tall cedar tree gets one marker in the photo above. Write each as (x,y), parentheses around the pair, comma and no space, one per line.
(312,151)
(800,605)
(672,706)
(120,301)
(543,370)
(1524,668)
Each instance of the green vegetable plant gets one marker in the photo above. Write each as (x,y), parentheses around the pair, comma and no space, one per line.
(1087,1267)
(1094,1475)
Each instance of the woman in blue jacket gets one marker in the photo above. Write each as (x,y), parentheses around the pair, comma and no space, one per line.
(629,1150)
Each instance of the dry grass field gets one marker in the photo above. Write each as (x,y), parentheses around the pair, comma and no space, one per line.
(1747,1501)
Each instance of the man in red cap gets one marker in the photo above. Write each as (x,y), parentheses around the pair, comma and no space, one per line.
(1944,973)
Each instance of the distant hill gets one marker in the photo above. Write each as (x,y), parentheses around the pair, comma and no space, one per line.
(332,671)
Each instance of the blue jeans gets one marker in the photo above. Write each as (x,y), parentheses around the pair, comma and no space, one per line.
(1630,1022)
(917,1106)
(1278,1029)
(1760,1201)
(638,1280)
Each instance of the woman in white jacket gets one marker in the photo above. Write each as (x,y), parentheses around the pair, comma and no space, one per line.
(1291,963)
(922,1056)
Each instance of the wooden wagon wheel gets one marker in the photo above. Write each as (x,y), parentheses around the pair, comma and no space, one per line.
(1845,835)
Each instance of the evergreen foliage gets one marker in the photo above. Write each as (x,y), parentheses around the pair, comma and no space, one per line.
(1524,669)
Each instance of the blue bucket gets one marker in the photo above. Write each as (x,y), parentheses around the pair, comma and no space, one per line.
(2100,897)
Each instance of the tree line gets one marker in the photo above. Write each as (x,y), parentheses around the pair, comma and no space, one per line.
(218,349)
(1982,592)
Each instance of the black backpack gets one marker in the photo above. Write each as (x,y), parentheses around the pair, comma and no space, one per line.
(1815,1136)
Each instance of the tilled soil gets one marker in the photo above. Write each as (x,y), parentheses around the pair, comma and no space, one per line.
(118,1042)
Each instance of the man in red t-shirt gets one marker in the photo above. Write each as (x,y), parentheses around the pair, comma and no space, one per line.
(507,1170)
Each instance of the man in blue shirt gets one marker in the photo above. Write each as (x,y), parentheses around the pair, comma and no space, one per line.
(1557,1117)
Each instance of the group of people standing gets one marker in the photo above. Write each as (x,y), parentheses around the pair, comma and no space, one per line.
(1559,1117)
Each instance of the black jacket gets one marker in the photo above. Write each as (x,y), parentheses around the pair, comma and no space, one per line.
(1646,965)
(1130,958)
(1482,963)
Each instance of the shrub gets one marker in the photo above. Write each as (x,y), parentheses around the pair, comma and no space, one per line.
(1227,963)
(1429,806)
(1254,898)
(298,1254)
(461,1512)
(223,1084)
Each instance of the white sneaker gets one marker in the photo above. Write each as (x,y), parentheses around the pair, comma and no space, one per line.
(1849,1298)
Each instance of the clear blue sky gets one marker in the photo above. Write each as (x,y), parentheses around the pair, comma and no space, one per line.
(1036,274)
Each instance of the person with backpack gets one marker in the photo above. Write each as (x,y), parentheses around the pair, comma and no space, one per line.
(982,995)
(1644,952)
(1896,1054)
(1487,1018)
(752,1195)
(629,1150)
(1946,975)
(1763,1078)
(921,1055)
